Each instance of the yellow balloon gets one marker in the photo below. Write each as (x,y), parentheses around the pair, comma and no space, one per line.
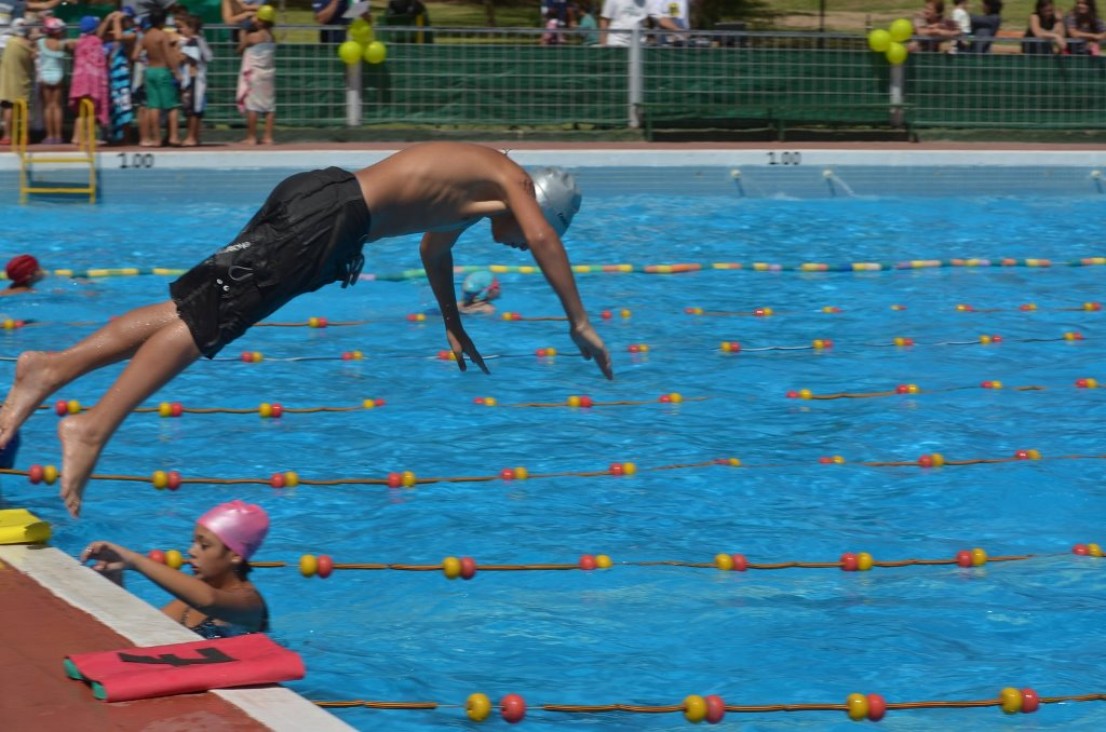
(361,30)
(879,40)
(901,30)
(350,52)
(896,54)
(375,52)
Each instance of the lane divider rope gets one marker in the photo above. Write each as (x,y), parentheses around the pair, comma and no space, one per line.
(173,479)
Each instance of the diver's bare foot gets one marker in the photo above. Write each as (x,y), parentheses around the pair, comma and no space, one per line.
(249,141)
(267,141)
(80,449)
(33,383)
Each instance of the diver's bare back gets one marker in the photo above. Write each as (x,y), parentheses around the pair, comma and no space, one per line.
(437,186)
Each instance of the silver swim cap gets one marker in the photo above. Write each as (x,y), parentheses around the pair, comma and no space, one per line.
(558,196)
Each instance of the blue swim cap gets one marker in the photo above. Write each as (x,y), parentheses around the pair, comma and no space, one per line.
(89,24)
(480,287)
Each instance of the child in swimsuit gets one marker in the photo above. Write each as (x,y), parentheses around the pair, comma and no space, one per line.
(53,49)
(161,82)
(217,600)
(308,234)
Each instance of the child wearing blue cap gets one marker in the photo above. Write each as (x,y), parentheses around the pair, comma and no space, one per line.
(477,292)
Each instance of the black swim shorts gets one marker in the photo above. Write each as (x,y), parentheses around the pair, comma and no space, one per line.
(308,233)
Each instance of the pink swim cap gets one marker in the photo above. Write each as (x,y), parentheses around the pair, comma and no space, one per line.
(240,526)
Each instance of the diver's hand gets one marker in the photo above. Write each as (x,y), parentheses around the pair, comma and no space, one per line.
(591,347)
(461,345)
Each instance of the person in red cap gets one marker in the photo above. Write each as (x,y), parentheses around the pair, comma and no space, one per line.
(218,600)
(23,271)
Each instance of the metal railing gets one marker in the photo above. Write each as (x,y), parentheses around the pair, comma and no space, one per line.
(505,78)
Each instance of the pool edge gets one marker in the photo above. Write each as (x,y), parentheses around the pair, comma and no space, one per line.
(276,707)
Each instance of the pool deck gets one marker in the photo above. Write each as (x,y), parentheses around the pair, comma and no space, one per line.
(51,606)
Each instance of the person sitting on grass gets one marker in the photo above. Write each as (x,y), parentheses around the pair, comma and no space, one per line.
(310,233)
(217,600)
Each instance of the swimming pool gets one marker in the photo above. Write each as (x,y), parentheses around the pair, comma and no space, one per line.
(642,633)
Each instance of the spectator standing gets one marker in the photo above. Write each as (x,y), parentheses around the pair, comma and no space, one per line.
(234,12)
(585,21)
(1045,33)
(195,55)
(53,52)
(331,12)
(556,16)
(985,26)
(90,76)
(11,11)
(962,19)
(257,77)
(161,78)
(671,15)
(118,33)
(1082,24)
(621,16)
(17,73)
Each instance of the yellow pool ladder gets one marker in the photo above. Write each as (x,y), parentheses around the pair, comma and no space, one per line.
(84,155)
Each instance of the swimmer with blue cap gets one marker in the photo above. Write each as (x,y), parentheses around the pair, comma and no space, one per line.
(477,292)
(310,233)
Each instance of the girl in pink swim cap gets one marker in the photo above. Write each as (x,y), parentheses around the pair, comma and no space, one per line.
(217,600)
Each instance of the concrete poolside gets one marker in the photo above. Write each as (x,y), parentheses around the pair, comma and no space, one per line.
(53,607)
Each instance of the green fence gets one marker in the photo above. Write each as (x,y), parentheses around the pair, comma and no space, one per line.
(507,78)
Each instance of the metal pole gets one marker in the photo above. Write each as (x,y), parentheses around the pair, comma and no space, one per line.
(821,23)
(898,77)
(636,83)
(353,94)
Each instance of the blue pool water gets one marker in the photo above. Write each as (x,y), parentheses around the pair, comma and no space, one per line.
(641,633)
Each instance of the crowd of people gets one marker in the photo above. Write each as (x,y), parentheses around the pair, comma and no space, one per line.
(615,20)
(140,72)
(1049,30)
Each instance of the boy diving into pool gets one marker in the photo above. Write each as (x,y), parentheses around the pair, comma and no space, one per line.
(307,234)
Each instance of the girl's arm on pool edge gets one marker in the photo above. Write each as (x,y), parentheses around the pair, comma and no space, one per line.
(237,607)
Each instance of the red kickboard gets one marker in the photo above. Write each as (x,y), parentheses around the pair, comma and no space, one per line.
(182,668)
